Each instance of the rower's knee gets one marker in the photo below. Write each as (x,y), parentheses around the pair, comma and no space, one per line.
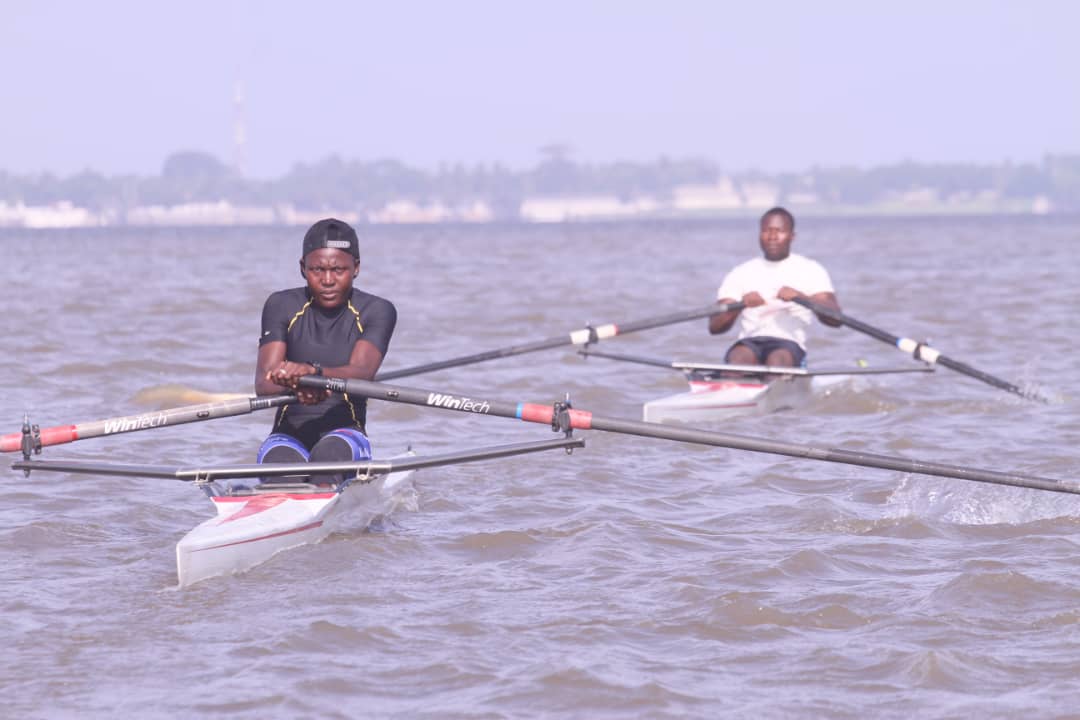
(781,357)
(342,445)
(740,354)
(281,448)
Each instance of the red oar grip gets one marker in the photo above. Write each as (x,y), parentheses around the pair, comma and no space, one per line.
(534,412)
(12,442)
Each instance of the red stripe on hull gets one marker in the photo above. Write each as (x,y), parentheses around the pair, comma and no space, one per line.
(692,408)
(698,386)
(256,505)
(264,537)
(293,496)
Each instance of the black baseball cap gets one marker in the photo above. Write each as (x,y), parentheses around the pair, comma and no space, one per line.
(332,233)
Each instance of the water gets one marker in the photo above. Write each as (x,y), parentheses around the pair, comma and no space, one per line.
(635,578)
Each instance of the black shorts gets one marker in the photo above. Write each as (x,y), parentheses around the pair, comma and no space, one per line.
(762,346)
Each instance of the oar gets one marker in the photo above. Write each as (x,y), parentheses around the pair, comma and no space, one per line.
(358,468)
(917,350)
(33,439)
(577,337)
(168,394)
(753,369)
(561,417)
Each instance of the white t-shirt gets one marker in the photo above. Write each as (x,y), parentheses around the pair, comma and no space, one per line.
(776,318)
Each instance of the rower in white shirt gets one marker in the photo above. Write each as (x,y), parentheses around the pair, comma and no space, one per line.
(772,329)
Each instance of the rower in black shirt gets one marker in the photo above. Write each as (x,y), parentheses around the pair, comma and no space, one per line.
(326,328)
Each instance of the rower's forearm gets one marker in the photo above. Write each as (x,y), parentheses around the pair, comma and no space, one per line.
(827,300)
(265,387)
(722,323)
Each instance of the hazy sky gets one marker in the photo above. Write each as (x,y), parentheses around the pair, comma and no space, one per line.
(117,86)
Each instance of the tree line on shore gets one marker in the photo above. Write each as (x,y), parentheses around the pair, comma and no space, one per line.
(191,177)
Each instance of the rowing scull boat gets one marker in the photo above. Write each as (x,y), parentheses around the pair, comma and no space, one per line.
(714,399)
(254,523)
(720,391)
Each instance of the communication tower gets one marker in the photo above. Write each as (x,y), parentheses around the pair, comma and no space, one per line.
(239,130)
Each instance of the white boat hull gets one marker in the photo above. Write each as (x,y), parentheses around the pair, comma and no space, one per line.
(251,528)
(713,400)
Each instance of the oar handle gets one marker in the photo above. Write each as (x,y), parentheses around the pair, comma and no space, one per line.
(918,350)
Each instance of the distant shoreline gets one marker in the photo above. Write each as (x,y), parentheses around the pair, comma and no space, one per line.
(195,189)
(847,214)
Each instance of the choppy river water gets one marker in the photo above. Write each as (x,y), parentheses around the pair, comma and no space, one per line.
(635,578)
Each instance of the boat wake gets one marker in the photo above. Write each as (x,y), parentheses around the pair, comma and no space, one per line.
(945,502)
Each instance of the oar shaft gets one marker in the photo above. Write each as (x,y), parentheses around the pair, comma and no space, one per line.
(579,419)
(577,337)
(916,349)
(476,358)
(850,322)
(985,377)
(61,434)
(884,462)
